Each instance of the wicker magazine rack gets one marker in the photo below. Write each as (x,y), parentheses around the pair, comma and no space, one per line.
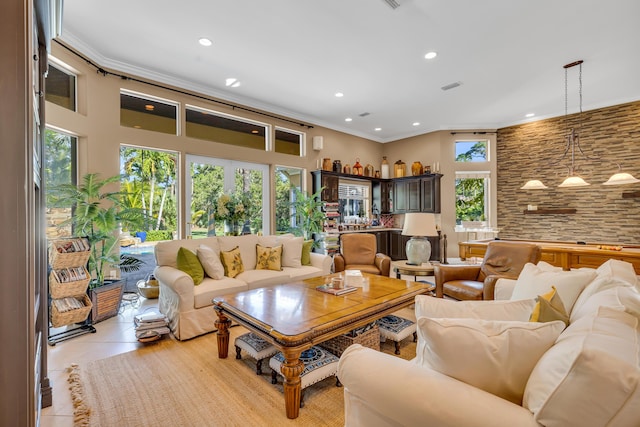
(369,338)
(69,278)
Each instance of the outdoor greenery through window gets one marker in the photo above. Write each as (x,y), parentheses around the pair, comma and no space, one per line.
(149,180)
(471,151)
(149,113)
(61,87)
(60,168)
(216,127)
(287,180)
(472,196)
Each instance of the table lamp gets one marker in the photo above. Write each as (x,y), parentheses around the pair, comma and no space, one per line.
(419,226)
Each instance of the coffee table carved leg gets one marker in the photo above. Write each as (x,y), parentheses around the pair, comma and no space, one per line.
(291,370)
(223,324)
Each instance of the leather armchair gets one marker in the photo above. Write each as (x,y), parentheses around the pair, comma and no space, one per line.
(477,282)
(358,252)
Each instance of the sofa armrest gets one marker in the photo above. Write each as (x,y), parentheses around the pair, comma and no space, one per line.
(322,262)
(338,263)
(383,262)
(179,282)
(384,390)
(488,287)
(447,273)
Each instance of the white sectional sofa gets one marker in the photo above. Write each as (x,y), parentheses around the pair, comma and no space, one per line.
(189,308)
(472,355)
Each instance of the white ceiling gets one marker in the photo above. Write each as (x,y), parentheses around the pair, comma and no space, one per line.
(292,56)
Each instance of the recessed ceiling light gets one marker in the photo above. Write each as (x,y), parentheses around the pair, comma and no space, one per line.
(205,41)
(530,115)
(232,82)
(348,119)
(430,55)
(378,129)
(339,94)
(149,107)
(416,123)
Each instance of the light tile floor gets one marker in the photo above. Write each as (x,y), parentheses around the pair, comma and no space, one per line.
(113,336)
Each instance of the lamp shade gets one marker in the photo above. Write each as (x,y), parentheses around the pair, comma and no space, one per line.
(534,184)
(573,181)
(621,178)
(419,224)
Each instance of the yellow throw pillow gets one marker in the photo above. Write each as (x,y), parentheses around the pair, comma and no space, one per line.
(268,258)
(549,308)
(306,252)
(189,263)
(232,262)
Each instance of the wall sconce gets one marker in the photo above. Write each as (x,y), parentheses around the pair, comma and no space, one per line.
(318,143)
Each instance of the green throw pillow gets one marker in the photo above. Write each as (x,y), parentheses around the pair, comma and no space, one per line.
(190,264)
(306,252)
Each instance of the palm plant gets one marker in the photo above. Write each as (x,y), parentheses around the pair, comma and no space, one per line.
(308,213)
(97,215)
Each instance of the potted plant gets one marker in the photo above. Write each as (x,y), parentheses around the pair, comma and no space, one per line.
(98,214)
(309,216)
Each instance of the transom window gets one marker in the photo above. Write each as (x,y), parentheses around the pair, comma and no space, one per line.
(61,87)
(472,151)
(289,142)
(146,112)
(217,127)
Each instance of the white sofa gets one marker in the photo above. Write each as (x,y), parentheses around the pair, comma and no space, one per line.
(588,376)
(189,308)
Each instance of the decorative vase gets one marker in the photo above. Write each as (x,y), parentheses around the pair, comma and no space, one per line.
(231,228)
(346,169)
(326,164)
(337,166)
(357,168)
(384,168)
(368,170)
(399,169)
(416,168)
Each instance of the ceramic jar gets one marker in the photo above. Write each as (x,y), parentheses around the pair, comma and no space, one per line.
(337,166)
(357,168)
(384,168)
(399,169)
(326,164)
(416,168)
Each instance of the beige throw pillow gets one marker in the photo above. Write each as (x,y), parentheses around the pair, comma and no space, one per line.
(537,279)
(495,356)
(210,260)
(268,258)
(232,262)
(292,252)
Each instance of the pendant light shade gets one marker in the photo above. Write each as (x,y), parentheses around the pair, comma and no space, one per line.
(621,178)
(533,184)
(573,181)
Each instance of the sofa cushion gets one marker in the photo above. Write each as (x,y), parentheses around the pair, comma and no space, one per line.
(188,262)
(549,307)
(262,278)
(204,294)
(591,376)
(617,294)
(610,274)
(536,279)
(269,258)
(427,306)
(210,259)
(292,252)
(305,258)
(304,272)
(165,252)
(232,262)
(495,356)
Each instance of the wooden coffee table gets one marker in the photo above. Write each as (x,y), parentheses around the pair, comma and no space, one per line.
(295,316)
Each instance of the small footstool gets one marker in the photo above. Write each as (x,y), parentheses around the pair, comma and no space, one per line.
(396,328)
(255,347)
(318,365)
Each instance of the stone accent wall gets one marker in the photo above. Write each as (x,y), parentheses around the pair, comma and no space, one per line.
(609,135)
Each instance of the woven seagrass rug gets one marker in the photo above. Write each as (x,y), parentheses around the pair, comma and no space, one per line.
(171,383)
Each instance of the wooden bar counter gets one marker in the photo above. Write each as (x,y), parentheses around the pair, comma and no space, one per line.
(567,255)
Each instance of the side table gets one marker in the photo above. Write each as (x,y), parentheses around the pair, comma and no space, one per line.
(401,267)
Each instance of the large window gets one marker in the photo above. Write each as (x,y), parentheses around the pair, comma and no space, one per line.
(60,168)
(472,197)
(61,87)
(472,151)
(146,112)
(217,127)
(287,179)
(149,179)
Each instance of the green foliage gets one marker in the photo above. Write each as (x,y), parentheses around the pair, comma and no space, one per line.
(470,199)
(478,150)
(57,161)
(308,213)
(97,215)
(283,202)
(157,235)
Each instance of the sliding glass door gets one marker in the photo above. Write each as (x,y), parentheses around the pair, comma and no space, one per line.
(226,197)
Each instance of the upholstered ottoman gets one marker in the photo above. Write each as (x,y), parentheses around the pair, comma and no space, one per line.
(318,365)
(255,347)
(396,328)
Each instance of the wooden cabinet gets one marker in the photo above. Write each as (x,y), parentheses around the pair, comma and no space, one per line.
(386,197)
(329,184)
(382,242)
(430,194)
